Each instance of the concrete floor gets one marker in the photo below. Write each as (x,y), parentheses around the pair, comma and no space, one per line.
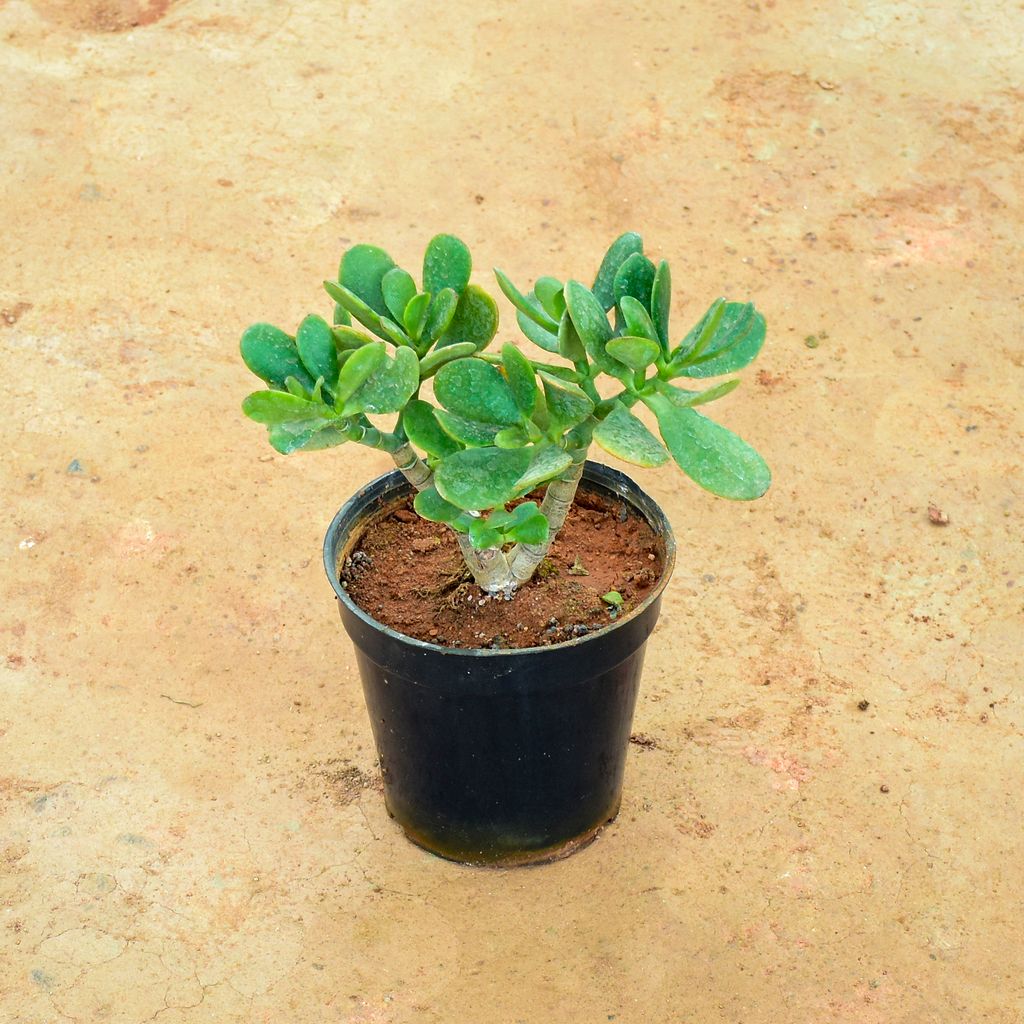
(191,826)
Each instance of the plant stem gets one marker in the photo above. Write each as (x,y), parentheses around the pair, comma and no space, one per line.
(558,498)
(489,566)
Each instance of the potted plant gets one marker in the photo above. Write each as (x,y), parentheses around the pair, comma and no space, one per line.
(510,750)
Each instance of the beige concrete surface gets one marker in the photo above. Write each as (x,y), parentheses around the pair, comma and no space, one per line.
(191,826)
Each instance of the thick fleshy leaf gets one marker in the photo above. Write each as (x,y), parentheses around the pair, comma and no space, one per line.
(389,387)
(635,278)
(398,288)
(626,437)
(348,338)
(683,399)
(431,506)
(531,530)
(482,535)
(312,439)
(566,403)
(618,252)
(441,312)
(636,353)
(661,301)
(569,344)
(355,305)
(446,264)
(358,367)
(394,333)
(737,342)
(708,453)
(546,462)
(475,320)
(540,336)
(362,272)
(295,387)
(315,344)
(528,305)
(467,432)
(521,378)
(697,338)
(423,430)
(272,355)
(590,321)
(637,320)
(274,407)
(511,437)
(430,364)
(548,291)
(341,316)
(480,478)
(476,391)
(415,316)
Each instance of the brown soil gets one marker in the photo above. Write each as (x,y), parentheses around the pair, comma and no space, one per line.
(409,575)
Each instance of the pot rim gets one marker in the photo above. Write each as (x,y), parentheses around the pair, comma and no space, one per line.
(593,472)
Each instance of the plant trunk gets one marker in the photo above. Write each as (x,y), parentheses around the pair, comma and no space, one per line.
(489,566)
(558,498)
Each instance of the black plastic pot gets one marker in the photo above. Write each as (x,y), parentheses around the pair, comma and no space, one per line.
(499,757)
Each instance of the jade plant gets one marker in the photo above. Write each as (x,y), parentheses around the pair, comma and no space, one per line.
(502,425)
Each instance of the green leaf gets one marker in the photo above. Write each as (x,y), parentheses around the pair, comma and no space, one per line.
(548,291)
(737,341)
(521,378)
(398,289)
(698,337)
(569,344)
(476,391)
(446,264)
(540,336)
(358,367)
(635,278)
(315,438)
(532,530)
(389,387)
(626,437)
(362,272)
(661,301)
(638,322)
(341,317)
(294,387)
(275,407)
(441,312)
(480,478)
(683,399)
(529,306)
(355,305)
(395,333)
(349,339)
(475,320)
(415,316)
(482,535)
(423,430)
(546,462)
(316,348)
(468,432)
(567,404)
(708,453)
(590,321)
(613,597)
(430,364)
(618,252)
(636,353)
(432,507)
(511,437)
(272,356)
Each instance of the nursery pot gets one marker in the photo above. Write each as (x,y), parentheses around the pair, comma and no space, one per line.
(499,757)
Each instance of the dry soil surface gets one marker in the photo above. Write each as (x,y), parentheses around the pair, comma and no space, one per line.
(822,823)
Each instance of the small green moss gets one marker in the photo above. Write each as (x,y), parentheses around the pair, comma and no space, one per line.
(547,569)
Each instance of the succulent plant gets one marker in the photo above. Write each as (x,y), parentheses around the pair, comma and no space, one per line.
(502,425)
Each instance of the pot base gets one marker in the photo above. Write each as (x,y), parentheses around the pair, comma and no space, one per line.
(524,858)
